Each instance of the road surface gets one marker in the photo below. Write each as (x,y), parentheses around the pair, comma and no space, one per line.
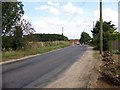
(43,68)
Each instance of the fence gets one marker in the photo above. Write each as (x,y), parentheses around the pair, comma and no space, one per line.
(114,45)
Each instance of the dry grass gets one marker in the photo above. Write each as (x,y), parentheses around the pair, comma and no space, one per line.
(34,48)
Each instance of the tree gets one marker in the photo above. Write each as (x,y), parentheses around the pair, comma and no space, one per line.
(11,15)
(108,34)
(26,27)
(85,38)
(14,28)
(17,39)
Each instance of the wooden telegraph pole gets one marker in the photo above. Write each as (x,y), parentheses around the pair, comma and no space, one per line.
(101,29)
(62,30)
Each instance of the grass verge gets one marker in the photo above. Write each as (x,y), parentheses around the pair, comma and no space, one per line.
(116,51)
(32,51)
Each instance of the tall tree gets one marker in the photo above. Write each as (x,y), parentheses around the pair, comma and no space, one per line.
(85,38)
(108,34)
(11,15)
(14,28)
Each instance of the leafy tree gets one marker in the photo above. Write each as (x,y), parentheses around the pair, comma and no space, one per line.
(109,33)
(17,39)
(14,28)
(11,15)
(85,38)
(26,27)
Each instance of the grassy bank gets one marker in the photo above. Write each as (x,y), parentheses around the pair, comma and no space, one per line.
(116,51)
(34,48)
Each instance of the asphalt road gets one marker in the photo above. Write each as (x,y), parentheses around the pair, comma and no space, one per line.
(43,68)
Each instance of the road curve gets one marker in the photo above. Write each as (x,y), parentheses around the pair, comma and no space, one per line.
(44,68)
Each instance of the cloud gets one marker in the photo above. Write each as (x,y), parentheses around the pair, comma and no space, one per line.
(56,9)
(40,26)
(50,9)
(108,15)
(50,3)
(48,25)
(54,25)
(55,21)
(69,8)
(25,17)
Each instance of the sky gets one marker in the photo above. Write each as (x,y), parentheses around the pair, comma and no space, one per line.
(75,16)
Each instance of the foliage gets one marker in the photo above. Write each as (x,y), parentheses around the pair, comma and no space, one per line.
(26,27)
(116,51)
(85,38)
(11,15)
(46,37)
(14,28)
(109,33)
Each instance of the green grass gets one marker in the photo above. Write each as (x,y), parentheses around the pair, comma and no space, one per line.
(116,51)
(32,51)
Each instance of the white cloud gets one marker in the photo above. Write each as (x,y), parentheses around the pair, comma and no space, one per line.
(50,9)
(70,0)
(69,8)
(55,21)
(54,25)
(108,15)
(55,9)
(40,25)
(53,3)
(48,25)
(50,3)
(25,17)
(45,7)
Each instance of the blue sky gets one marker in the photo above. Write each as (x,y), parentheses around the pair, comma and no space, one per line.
(48,16)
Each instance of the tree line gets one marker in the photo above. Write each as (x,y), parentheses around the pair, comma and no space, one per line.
(110,33)
(46,37)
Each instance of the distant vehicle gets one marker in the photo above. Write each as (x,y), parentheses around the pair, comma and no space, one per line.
(75,42)
(78,44)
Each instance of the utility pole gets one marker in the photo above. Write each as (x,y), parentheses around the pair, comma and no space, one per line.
(62,31)
(101,29)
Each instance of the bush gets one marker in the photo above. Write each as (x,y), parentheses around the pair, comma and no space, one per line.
(116,52)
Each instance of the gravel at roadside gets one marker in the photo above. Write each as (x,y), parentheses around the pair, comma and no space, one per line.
(82,74)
